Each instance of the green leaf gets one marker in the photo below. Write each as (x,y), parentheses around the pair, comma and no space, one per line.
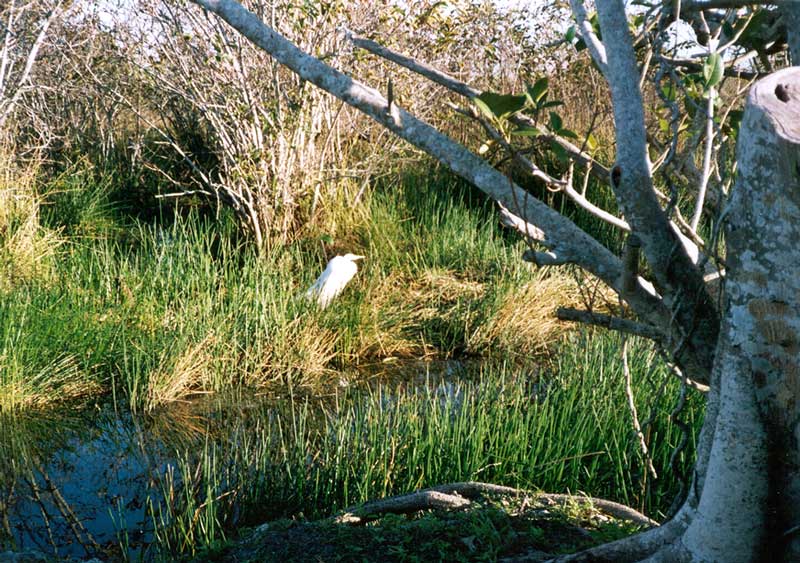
(594,19)
(502,105)
(570,35)
(591,143)
(567,133)
(552,104)
(555,122)
(559,151)
(713,69)
(485,110)
(669,92)
(538,91)
(527,132)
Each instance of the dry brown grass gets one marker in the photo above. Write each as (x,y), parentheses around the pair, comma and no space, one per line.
(60,381)
(525,322)
(521,321)
(392,312)
(300,355)
(25,247)
(189,375)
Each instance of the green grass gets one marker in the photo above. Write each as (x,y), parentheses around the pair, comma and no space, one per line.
(563,430)
(156,313)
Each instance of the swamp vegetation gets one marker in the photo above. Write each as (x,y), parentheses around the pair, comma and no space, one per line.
(167,392)
(165,386)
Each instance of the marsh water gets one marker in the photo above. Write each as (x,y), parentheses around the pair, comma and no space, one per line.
(98,480)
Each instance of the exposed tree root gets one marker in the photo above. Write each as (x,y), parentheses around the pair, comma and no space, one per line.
(457,495)
(656,545)
(633,548)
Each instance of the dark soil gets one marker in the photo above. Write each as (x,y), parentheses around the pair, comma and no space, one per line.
(485,531)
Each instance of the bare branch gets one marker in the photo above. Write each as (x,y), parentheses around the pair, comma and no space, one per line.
(544,258)
(696,5)
(7,106)
(414,65)
(463,89)
(593,43)
(637,428)
(607,321)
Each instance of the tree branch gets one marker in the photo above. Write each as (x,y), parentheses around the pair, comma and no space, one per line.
(458,495)
(696,5)
(607,321)
(454,85)
(675,275)
(593,43)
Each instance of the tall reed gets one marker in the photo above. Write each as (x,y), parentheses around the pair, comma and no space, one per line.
(560,430)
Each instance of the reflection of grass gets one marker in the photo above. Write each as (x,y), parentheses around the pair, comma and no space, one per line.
(560,431)
(168,312)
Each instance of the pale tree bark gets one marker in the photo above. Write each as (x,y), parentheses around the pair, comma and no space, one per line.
(745,502)
(750,504)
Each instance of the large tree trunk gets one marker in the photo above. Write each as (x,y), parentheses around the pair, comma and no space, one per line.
(745,502)
(750,502)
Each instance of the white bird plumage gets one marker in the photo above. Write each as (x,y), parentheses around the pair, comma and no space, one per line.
(339,271)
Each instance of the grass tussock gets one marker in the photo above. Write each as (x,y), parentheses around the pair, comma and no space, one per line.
(302,353)
(524,322)
(60,380)
(172,310)
(26,249)
(187,376)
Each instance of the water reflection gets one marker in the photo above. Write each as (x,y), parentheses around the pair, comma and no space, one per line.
(91,482)
(66,482)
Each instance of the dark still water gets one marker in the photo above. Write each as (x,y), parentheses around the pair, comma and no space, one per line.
(101,482)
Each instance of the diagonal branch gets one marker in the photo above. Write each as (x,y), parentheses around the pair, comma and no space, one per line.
(676,276)
(561,237)
(455,85)
(593,43)
(625,326)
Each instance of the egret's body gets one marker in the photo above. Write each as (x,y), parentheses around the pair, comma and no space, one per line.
(339,271)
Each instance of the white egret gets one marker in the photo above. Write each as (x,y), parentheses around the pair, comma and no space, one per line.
(338,272)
